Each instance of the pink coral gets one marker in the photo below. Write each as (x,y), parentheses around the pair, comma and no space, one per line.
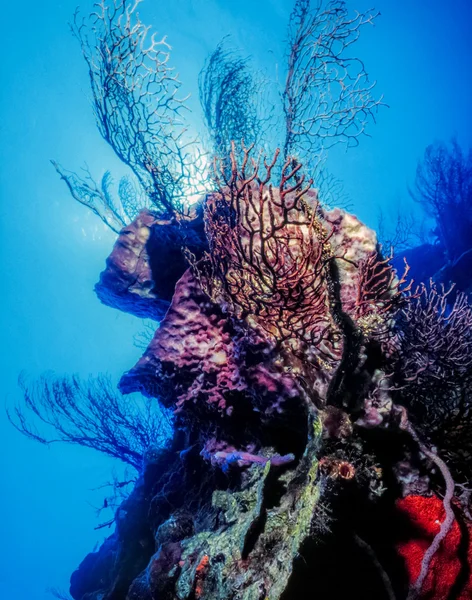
(127,283)
(197,357)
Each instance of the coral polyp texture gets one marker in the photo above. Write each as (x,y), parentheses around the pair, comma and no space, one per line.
(296,362)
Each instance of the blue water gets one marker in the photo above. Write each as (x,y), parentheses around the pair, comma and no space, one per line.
(52,249)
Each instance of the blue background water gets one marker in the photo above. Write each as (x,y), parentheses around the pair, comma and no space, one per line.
(52,249)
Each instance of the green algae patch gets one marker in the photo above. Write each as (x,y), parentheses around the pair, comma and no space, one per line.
(251,553)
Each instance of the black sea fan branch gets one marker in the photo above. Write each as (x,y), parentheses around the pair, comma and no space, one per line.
(91,414)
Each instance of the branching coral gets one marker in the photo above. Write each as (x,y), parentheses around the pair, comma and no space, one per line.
(433,368)
(136,101)
(328,98)
(379,294)
(92,414)
(231,97)
(443,186)
(436,337)
(268,249)
(308,282)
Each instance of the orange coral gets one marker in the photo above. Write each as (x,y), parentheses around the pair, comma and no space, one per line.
(200,575)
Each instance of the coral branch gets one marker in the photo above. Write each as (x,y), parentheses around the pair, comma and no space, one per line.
(439,333)
(328,98)
(138,110)
(268,250)
(90,414)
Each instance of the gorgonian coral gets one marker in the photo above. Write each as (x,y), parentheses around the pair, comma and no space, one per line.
(268,249)
(380,293)
(433,367)
(305,280)
(436,336)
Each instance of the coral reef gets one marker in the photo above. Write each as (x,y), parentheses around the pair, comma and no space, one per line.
(294,359)
(321,401)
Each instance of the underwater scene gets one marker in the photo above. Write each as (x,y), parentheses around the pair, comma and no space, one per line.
(236,244)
